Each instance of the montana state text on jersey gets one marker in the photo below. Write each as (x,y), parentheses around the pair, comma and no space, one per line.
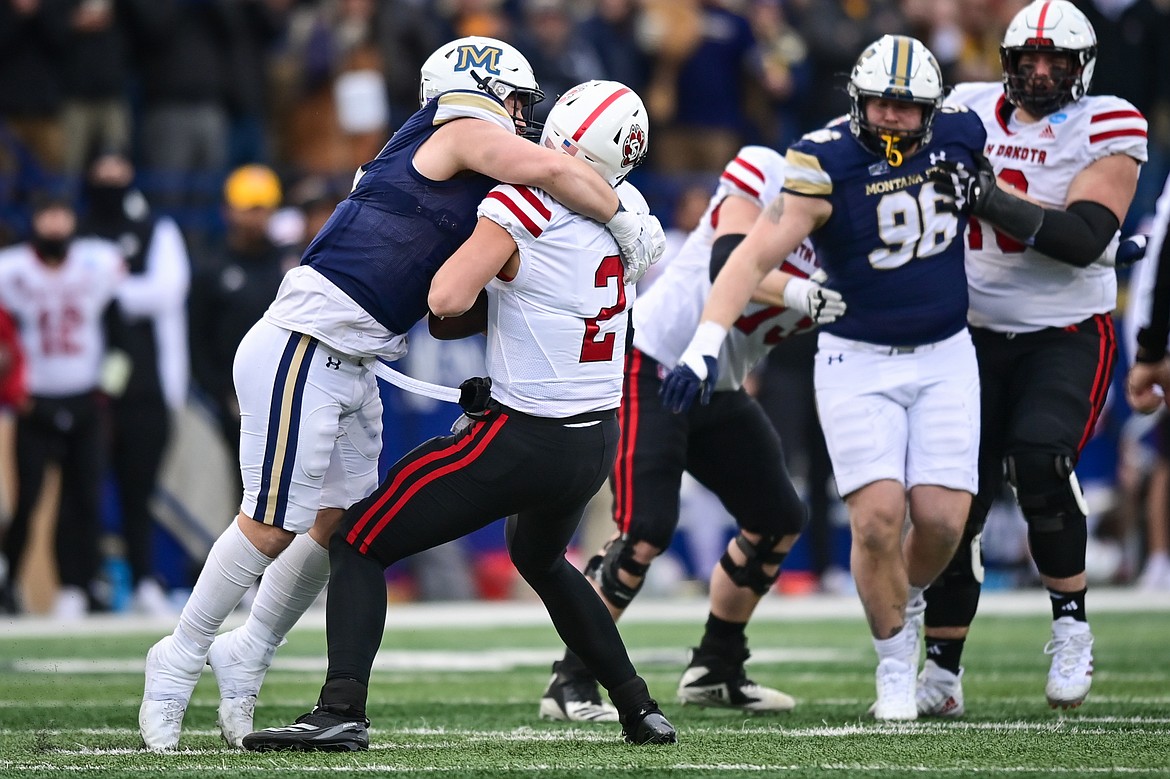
(911,289)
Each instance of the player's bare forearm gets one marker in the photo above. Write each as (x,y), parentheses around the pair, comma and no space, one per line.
(469,323)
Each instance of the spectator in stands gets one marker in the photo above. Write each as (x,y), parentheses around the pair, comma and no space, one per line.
(96,72)
(611,30)
(706,94)
(562,59)
(33,36)
(57,288)
(835,32)
(147,327)
(232,288)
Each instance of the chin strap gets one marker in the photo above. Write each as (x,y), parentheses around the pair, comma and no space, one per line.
(893,155)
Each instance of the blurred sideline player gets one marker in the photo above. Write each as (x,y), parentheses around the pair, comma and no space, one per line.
(1042,282)
(537,448)
(310,406)
(896,381)
(728,445)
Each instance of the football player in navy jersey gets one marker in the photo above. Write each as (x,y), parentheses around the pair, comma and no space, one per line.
(896,379)
(541,432)
(310,407)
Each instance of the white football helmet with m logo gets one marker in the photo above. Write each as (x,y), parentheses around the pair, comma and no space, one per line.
(479,63)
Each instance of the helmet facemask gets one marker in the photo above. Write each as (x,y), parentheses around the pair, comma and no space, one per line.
(526,100)
(1056,28)
(1041,97)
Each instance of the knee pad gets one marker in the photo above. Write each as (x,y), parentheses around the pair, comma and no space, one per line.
(752,574)
(953,598)
(1054,506)
(1047,490)
(603,569)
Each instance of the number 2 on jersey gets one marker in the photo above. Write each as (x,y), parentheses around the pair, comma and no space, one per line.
(594,349)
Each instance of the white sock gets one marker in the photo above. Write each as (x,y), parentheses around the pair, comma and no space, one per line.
(915,601)
(894,647)
(288,589)
(232,566)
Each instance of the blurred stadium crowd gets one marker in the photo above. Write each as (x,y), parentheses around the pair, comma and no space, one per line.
(241,123)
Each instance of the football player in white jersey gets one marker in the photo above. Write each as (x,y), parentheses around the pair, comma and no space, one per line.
(728,444)
(58,288)
(895,377)
(538,446)
(1042,287)
(310,407)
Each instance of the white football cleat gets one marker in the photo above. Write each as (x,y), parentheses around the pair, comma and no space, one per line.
(574,699)
(721,682)
(1071,673)
(895,691)
(940,692)
(171,676)
(239,664)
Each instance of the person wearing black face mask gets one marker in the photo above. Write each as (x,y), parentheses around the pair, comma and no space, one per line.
(147,329)
(57,288)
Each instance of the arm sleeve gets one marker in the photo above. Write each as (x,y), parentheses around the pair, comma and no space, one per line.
(1077,235)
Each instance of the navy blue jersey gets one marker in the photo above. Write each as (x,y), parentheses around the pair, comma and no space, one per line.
(889,248)
(384,243)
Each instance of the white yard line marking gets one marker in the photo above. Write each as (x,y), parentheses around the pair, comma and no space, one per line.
(849,768)
(644,611)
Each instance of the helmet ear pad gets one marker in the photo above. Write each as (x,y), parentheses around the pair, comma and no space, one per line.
(603,123)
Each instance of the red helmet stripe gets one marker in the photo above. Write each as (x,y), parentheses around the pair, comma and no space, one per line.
(1040,22)
(589,120)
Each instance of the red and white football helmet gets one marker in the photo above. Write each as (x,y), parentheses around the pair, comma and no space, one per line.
(602,122)
(1054,26)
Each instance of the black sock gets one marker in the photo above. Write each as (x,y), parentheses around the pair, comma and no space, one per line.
(630,696)
(945,652)
(1068,604)
(721,636)
(344,697)
(572,666)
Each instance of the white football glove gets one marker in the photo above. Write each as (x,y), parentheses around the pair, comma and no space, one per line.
(821,304)
(641,240)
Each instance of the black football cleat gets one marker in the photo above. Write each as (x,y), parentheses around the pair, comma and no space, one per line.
(317,731)
(648,725)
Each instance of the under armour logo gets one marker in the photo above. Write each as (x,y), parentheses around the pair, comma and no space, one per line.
(937,157)
(836,358)
(333,362)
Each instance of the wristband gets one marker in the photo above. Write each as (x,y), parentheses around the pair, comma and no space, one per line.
(708,338)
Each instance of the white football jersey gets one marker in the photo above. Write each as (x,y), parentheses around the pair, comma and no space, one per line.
(1015,288)
(556,340)
(60,312)
(667,315)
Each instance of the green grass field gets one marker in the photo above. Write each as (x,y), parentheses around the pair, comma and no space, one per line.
(454,698)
